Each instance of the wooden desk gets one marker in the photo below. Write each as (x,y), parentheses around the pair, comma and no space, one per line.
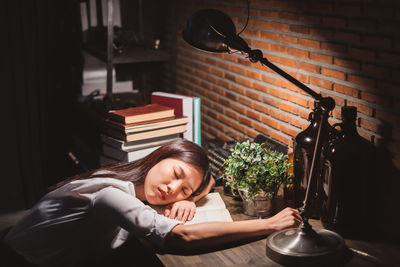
(253,253)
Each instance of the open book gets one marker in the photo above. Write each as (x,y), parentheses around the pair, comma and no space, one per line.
(210,208)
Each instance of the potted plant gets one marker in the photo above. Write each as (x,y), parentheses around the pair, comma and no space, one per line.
(257,172)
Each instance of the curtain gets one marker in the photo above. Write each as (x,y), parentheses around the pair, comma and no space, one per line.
(41,69)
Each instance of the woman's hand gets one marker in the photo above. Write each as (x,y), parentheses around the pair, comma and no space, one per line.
(183,210)
(286,218)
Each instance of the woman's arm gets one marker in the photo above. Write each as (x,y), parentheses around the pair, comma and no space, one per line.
(200,236)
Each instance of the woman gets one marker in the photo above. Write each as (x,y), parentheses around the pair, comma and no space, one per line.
(90,215)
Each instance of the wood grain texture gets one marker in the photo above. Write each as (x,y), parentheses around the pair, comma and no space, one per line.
(378,253)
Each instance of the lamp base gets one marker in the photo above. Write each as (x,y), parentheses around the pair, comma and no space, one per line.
(304,246)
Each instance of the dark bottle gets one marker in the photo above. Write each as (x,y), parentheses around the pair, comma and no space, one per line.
(303,149)
(348,173)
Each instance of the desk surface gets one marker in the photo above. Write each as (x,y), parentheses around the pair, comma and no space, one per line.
(253,253)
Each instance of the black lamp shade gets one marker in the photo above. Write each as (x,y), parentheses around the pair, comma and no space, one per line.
(208,30)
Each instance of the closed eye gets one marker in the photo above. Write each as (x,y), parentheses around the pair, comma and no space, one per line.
(184,190)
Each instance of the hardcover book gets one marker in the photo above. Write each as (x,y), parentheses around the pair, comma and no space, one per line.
(127,156)
(197,120)
(183,106)
(146,125)
(141,113)
(139,144)
(141,135)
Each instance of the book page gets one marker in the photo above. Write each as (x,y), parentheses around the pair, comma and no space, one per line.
(210,208)
(213,215)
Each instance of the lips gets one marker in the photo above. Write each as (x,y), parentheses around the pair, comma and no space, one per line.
(161,194)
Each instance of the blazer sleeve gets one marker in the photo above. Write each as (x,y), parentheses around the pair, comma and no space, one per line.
(131,214)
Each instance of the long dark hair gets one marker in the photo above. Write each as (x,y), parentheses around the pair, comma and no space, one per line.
(136,171)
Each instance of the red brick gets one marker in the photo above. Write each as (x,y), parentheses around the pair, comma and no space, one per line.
(321,33)
(253,114)
(321,58)
(319,5)
(237,107)
(348,10)
(245,121)
(244,81)
(347,37)
(361,108)
(345,90)
(338,100)
(288,39)
(231,114)
(369,125)
(375,98)
(388,58)
(298,53)
(253,95)
(249,132)
(269,121)
(333,73)
(389,27)
(278,48)
(288,130)
(378,12)
(309,43)
(269,101)
(288,107)
(362,24)
(311,19)
(270,35)
(387,117)
(261,128)
(361,80)
(365,135)
(280,137)
(309,67)
(350,64)
(260,87)
(339,48)
(287,62)
(321,83)
(278,26)
(299,29)
(334,21)
(388,87)
(288,16)
(362,54)
(377,41)
(267,13)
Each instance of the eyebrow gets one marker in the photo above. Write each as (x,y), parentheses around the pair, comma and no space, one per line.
(184,175)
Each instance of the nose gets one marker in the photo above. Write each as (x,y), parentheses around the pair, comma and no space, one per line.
(173,186)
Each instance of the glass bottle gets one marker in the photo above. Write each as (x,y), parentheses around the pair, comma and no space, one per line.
(303,149)
(348,179)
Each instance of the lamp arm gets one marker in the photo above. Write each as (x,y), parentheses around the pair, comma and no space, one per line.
(326,103)
(256,56)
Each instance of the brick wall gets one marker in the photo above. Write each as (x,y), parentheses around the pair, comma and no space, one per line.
(349,50)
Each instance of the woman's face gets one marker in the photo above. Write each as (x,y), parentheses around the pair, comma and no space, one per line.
(171,180)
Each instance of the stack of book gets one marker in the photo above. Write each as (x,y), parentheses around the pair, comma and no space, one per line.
(133,133)
(188,106)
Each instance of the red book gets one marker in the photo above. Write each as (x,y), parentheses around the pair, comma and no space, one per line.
(183,106)
(140,114)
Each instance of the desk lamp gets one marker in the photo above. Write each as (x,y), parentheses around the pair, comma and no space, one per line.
(213,31)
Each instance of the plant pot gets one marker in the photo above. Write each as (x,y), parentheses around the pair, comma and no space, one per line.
(258,206)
